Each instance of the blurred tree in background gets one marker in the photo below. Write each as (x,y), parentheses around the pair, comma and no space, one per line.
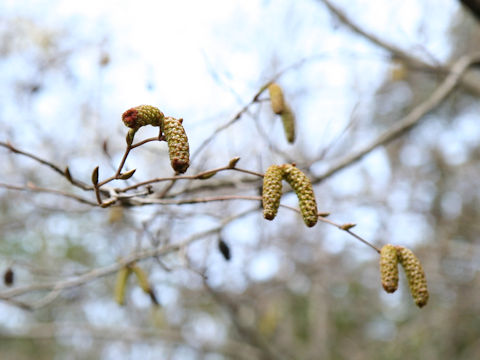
(385,97)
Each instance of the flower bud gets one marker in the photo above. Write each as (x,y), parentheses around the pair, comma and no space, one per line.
(142,115)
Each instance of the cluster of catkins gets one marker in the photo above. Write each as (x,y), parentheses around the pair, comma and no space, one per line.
(170,127)
(280,107)
(390,256)
(272,191)
(174,134)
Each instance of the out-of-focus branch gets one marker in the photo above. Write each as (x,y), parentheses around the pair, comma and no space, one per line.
(473,6)
(56,287)
(413,118)
(249,334)
(254,100)
(471,81)
(45,331)
(34,188)
(229,123)
(65,173)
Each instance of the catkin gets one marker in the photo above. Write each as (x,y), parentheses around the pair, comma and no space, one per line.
(276,98)
(389,268)
(177,144)
(304,190)
(121,284)
(272,191)
(143,282)
(288,120)
(415,275)
(142,115)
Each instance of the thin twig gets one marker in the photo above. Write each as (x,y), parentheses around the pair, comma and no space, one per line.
(34,188)
(51,165)
(229,123)
(200,175)
(254,99)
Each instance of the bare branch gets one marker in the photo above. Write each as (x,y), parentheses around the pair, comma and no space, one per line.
(34,188)
(55,330)
(473,6)
(470,82)
(65,173)
(413,118)
(94,274)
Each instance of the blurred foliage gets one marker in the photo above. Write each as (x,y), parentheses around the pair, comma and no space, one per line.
(323,298)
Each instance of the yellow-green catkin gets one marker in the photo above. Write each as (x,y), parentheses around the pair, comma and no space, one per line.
(389,268)
(143,282)
(276,98)
(142,115)
(302,186)
(142,278)
(288,120)
(272,191)
(177,140)
(121,284)
(415,275)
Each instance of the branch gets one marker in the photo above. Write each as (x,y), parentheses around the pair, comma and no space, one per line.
(200,176)
(57,287)
(229,123)
(413,118)
(254,99)
(55,330)
(65,173)
(473,6)
(34,188)
(250,335)
(470,82)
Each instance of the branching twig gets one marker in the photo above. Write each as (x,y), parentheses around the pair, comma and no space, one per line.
(470,82)
(94,274)
(413,118)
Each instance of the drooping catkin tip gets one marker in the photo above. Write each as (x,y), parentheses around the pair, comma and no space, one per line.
(272,191)
(302,186)
(177,141)
(129,118)
(142,115)
(417,280)
(276,98)
(389,268)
